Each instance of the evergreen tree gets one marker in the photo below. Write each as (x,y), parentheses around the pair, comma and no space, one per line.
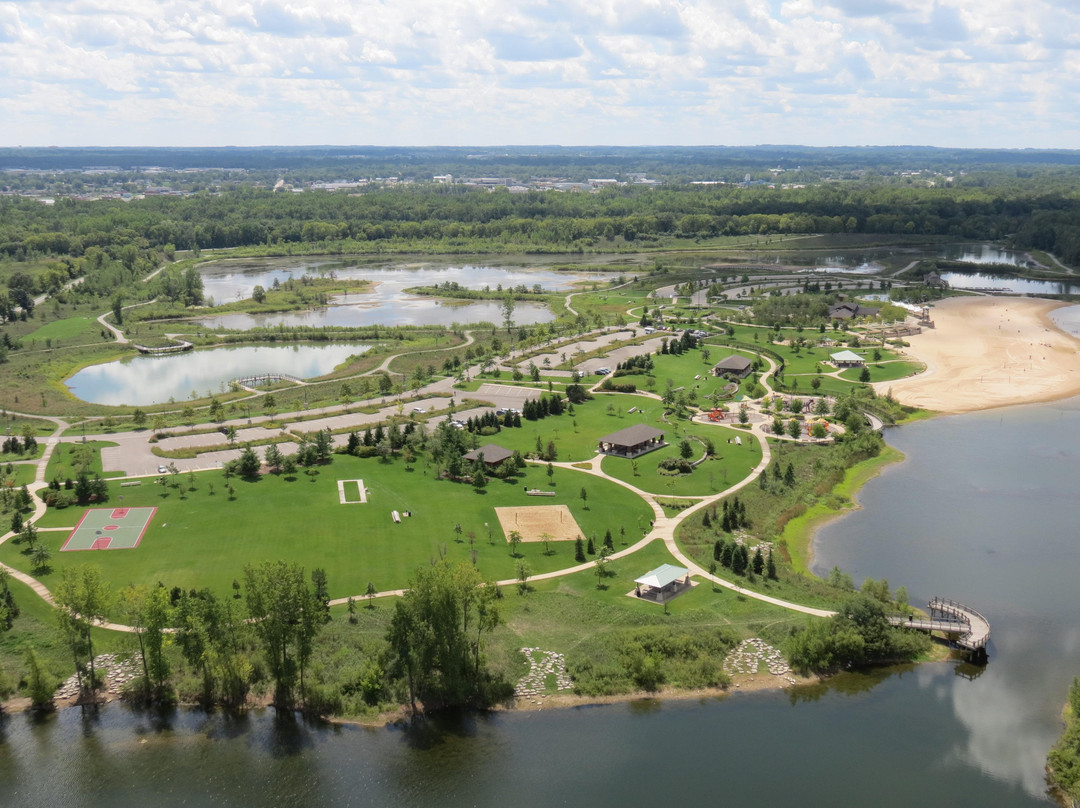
(740,560)
(758,562)
(591,549)
(770,567)
(579,550)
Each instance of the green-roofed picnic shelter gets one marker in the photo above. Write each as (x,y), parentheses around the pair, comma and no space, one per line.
(846,359)
(662,583)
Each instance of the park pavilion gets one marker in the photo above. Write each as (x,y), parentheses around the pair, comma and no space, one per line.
(738,366)
(663,583)
(493,454)
(633,441)
(847,359)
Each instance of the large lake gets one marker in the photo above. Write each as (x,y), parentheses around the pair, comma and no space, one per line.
(143,379)
(983,511)
(387,303)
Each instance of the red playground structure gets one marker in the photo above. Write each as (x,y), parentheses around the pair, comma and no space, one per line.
(716,415)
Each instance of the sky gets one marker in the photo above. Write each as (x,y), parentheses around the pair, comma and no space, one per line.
(958,73)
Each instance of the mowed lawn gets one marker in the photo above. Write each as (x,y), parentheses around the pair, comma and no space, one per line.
(576,437)
(730,464)
(206,540)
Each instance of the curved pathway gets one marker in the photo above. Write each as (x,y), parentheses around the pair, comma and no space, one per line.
(662,529)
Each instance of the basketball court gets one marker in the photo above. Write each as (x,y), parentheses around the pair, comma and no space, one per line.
(110,529)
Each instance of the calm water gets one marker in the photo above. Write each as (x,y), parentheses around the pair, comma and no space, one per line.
(387,303)
(983,254)
(982,511)
(156,379)
(1007,283)
(394,310)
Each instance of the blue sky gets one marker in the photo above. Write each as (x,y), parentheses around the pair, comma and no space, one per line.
(986,73)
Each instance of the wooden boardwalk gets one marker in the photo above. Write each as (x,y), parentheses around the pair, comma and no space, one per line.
(963,626)
(262,378)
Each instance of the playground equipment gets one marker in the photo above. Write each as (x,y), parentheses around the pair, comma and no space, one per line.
(716,415)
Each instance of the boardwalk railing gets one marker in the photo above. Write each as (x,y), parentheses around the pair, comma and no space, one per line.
(969,629)
(251,381)
(180,346)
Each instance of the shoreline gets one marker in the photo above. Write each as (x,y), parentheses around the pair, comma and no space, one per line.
(990,352)
(803,529)
(740,683)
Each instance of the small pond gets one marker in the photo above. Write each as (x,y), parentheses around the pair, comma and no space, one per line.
(143,380)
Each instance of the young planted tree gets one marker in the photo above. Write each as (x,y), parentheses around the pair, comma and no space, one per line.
(40,558)
(601,567)
(523,573)
(515,539)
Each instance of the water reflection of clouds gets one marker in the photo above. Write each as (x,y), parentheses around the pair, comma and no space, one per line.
(150,380)
(1004,710)
(403,311)
(224,282)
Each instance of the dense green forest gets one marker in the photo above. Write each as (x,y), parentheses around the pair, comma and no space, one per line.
(453,217)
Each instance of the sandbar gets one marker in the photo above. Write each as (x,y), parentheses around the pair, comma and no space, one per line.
(987,352)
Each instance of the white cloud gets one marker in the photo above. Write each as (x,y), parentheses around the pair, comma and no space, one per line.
(569,71)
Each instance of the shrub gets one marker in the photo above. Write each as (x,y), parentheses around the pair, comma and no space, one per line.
(674,465)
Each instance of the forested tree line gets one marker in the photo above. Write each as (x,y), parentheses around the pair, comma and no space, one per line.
(455,215)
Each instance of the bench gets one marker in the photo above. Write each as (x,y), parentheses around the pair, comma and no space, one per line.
(395,516)
(536,492)
(130,483)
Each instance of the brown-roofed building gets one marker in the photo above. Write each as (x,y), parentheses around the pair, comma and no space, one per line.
(735,365)
(493,454)
(633,441)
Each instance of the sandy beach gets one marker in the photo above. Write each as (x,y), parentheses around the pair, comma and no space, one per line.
(987,352)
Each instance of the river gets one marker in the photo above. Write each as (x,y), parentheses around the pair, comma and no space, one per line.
(983,511)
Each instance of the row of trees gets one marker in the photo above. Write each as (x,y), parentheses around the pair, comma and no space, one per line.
(1040,218)
(222,642)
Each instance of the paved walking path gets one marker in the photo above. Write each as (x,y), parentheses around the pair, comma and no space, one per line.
(662,529)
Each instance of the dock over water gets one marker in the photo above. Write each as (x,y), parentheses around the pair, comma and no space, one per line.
(965,628)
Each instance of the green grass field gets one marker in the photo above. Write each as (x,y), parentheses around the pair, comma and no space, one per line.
(730,464)
(70,459)
(70,331)
(198,539)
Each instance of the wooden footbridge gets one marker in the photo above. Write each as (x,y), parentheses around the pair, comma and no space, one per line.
(180,346)
(263,378)
(963,626)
